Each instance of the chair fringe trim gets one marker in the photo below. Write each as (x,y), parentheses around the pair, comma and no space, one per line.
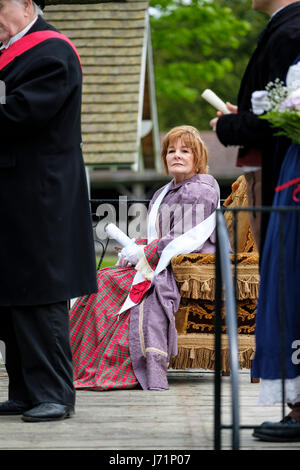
(202,355)
(198,282)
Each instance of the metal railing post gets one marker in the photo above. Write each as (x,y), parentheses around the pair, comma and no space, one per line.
(217,373)
(231,324)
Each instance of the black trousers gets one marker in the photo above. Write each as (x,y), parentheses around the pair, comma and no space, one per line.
(38,353)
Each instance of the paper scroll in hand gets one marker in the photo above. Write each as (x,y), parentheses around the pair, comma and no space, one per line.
(115,233)
(215,101)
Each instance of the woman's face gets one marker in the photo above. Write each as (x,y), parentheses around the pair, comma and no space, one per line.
(180,160)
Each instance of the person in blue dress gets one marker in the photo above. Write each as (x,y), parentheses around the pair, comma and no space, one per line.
(277,332)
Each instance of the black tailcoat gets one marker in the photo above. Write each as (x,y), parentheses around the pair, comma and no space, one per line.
(278,46)
(46,241)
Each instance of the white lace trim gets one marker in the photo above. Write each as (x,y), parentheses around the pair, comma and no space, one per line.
(144,268)
(270,391)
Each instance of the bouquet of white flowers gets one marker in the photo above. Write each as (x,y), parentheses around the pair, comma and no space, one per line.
(281,104)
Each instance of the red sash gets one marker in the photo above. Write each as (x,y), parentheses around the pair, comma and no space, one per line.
(27,42)
(288,184)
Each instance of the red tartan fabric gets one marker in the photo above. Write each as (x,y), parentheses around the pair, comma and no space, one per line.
(151,254)
(99,338)
(150,251)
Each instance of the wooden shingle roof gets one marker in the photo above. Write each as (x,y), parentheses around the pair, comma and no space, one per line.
(112,40)
(68,2)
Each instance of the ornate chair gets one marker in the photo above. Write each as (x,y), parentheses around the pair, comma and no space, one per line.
(195,276)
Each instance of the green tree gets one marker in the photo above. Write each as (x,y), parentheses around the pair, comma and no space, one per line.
(199,44)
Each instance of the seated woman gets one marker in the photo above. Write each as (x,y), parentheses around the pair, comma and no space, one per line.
(124,335)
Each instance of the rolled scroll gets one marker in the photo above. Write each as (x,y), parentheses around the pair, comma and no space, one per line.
(215,101)
(114,232)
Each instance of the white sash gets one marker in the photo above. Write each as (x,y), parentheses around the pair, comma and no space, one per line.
(151,231)
(185,243)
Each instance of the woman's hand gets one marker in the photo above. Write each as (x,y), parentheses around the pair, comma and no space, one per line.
(122,262)
(130,254)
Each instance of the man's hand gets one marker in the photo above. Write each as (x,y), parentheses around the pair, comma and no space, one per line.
(213,123)
(232,108)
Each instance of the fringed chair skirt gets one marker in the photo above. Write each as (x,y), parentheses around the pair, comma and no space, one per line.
(195,277)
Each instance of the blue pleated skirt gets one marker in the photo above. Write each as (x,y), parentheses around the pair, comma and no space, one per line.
(278,293)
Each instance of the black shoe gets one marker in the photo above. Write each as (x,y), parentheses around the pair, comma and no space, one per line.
(13,407)
(48,412)
(286,430)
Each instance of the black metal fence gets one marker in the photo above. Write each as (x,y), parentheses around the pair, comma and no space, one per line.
(95,203)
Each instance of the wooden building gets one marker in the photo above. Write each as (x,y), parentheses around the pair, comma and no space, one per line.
(119,117)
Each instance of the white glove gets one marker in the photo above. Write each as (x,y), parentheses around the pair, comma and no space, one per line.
(260,102)
(123,262)
(293,77)
(131,253)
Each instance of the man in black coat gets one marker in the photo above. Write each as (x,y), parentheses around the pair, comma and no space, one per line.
(260,153)
(46,242)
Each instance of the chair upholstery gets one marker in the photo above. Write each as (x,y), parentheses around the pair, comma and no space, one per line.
(195,276)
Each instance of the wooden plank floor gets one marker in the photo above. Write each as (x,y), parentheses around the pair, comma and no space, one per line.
(178,419)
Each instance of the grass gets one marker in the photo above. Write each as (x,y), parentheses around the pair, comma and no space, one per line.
(109,260)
